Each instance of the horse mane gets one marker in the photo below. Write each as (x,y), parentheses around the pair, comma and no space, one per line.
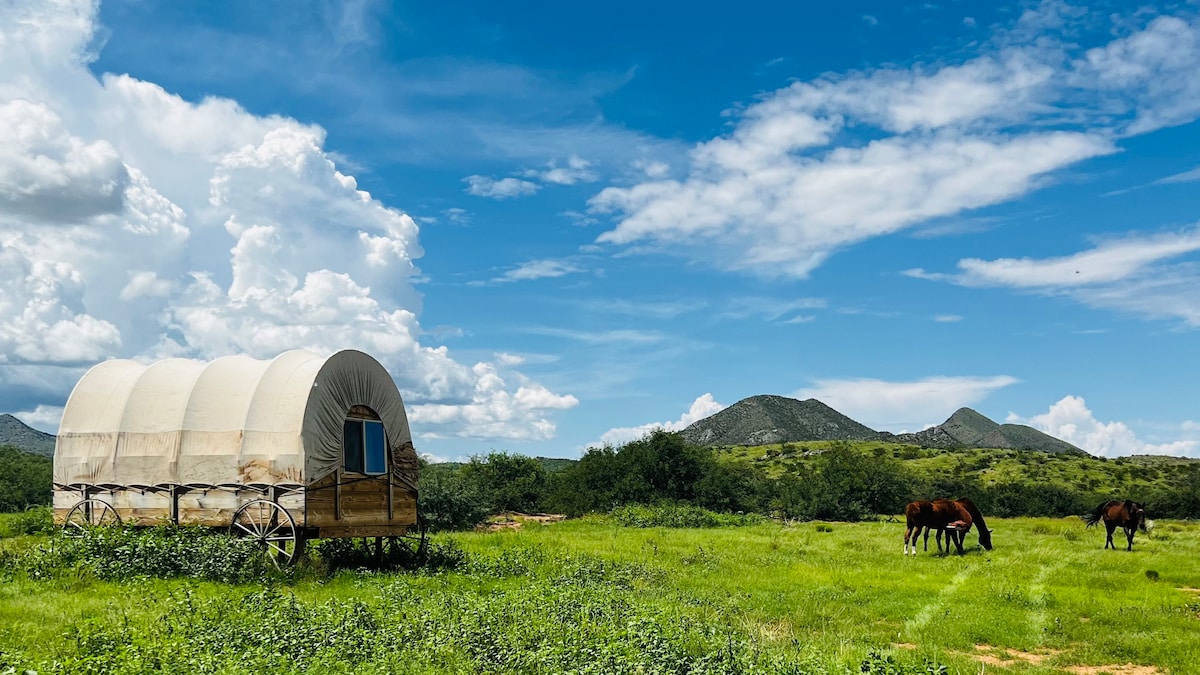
(985,535)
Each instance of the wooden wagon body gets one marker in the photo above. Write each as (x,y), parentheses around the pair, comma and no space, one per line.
(308,445)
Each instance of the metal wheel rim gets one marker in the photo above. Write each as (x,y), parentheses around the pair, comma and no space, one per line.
(88,514)
(270,526)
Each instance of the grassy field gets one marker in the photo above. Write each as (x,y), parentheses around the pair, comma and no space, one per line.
(589,596)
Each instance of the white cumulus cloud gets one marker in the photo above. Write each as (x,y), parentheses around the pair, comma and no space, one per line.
(134,223)
(1071,420)
(704,406)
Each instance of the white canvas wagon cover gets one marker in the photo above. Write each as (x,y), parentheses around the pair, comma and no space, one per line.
(233,421)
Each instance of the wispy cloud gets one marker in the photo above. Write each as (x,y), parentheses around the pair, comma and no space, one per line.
(628,336)
(539,269)
(947,318)
(793,182)
(576,170)
(667,309)
(906,405)
(1129,273)
(505,188)
(767,308)
(1184,177)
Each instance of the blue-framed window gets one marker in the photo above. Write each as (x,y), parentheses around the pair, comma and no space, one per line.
(364,446)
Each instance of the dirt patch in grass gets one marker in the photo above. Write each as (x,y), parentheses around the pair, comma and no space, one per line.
(904,645)
(1127,669)
(1003,657)
(515,521)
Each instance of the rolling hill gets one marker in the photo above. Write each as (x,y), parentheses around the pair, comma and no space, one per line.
(766,419)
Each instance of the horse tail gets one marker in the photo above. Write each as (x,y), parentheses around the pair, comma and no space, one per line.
(1096,514)
(985,535)
(912,514)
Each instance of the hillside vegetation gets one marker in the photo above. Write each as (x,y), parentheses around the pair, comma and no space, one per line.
(826,480)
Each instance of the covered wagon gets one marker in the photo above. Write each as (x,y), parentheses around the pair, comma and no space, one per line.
(298,447)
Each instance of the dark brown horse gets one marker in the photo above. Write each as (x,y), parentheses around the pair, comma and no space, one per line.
(1129,515)
(953,517)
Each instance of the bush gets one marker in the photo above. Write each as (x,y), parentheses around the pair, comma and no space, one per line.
(25,479)
(34,520)
(448,502)
(507,482)
(123,552)
(680,516)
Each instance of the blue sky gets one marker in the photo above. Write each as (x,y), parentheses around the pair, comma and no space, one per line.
(559,226)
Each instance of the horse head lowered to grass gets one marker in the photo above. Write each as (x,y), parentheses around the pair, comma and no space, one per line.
(955,518)
(1128,515)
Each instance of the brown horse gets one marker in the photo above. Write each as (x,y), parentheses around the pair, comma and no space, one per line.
(954,517)
(1129,515)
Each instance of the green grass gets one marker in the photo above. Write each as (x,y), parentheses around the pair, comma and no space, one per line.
(592,596)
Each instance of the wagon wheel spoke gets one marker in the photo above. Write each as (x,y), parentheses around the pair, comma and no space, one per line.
(87,514)
(281,551)
(271,527)
(245,529)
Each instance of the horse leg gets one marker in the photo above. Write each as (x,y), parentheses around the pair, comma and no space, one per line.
(1109,542)
(907,533)
(927,540)
(939,541)
(1129,536)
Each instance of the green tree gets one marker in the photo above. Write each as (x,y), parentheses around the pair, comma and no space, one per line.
(448,502)
(509,482)
(25,479)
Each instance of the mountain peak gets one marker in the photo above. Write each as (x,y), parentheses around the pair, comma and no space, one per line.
(969,427)
(16,433)
(767,418)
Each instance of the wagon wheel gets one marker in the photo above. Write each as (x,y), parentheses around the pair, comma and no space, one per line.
(272,528)
(87,514)
(423,534)
(415,542)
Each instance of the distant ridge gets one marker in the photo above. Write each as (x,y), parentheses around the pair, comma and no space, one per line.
(21,436)
(766,419)
(969,429)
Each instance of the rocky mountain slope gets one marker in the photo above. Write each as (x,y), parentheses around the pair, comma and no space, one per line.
(16,433)
(968,429)
(762,420)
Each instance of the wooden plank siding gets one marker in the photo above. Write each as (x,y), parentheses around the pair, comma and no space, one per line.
(364,503)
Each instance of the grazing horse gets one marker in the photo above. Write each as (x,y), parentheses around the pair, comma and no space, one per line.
(1129,515)
(954,517)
